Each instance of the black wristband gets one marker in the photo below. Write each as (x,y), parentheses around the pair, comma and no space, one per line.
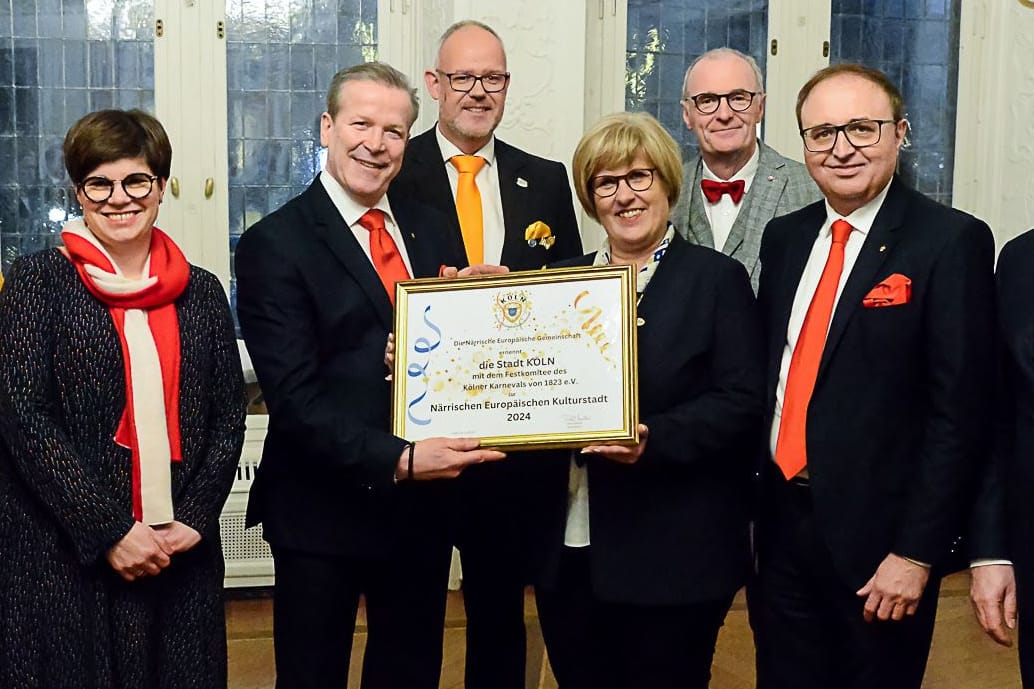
(412,449)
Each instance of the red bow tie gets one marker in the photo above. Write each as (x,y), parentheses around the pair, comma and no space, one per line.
(713,190)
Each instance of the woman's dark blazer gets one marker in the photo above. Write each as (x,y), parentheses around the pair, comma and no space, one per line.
(672,528)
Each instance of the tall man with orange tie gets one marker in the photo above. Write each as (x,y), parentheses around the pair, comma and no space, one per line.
(504,206)
(347,507)
(736,184)
(879,310)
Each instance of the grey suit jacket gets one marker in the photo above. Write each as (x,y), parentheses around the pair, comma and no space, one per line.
(780,186)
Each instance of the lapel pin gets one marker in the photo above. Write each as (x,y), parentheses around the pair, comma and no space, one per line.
(883,248)
(771,178)
(521,182)
(640,321)
(412,236)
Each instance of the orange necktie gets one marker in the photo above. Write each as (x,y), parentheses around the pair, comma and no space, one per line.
(791,445)
(385,255)
(468,206)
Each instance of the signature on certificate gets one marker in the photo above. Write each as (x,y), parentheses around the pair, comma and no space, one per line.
(574,420)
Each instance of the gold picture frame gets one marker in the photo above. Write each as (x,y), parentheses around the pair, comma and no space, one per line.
(528,360)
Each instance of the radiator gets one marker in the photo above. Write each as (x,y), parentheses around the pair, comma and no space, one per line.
(247,557)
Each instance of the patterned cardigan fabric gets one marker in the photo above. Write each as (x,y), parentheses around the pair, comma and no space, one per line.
(66,618)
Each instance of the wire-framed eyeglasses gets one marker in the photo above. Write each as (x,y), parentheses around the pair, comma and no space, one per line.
(859,133)
(136,186)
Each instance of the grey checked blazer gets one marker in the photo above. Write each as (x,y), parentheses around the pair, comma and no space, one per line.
(780,186)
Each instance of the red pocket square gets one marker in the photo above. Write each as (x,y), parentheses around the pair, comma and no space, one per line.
(895,290)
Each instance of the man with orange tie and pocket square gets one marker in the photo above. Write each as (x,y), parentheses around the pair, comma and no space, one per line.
(737,183)
(347,507)
(879,307)
(503,206)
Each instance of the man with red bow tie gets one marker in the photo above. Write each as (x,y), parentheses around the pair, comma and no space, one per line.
(878,304)
(737,183)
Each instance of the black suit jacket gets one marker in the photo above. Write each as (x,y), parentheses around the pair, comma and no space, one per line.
(1003,509)
(898,418)
(530,188)
(315,318)
(1004,520)
(493,497)
(672,528)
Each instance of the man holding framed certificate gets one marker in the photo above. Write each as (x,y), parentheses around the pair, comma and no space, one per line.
(345,505)
(502,206)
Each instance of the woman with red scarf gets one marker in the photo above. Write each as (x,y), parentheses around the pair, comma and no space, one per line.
(122,419)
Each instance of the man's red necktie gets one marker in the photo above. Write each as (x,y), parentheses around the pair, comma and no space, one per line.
(385,255)
(791,445)
(713,190)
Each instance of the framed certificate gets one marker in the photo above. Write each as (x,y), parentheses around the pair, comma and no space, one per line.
(530,360)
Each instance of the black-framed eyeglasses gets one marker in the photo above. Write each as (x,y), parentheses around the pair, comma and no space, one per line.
(99,189)
(859,133)
(639,179)
(464,82)
(707,103)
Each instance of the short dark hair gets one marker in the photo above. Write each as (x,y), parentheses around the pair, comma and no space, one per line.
(377,72)
(897,103)
(105,136)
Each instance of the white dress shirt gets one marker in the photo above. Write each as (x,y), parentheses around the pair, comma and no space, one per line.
(487,180)
(351,212)
(861,220)
(723,214)
(576,528)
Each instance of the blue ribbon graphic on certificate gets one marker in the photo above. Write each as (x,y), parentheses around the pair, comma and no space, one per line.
(422,346)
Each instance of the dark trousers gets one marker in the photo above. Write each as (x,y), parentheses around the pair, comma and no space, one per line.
(493,599)
(495,532)
(595,644)
(808,624)
(314,609)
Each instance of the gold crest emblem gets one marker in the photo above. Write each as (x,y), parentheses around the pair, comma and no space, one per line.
(512,308)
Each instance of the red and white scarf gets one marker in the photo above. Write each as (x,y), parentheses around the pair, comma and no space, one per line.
(144,314)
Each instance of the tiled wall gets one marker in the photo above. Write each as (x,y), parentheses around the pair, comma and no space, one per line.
(280,57)
(60,59)
(665,36)
(916,43)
